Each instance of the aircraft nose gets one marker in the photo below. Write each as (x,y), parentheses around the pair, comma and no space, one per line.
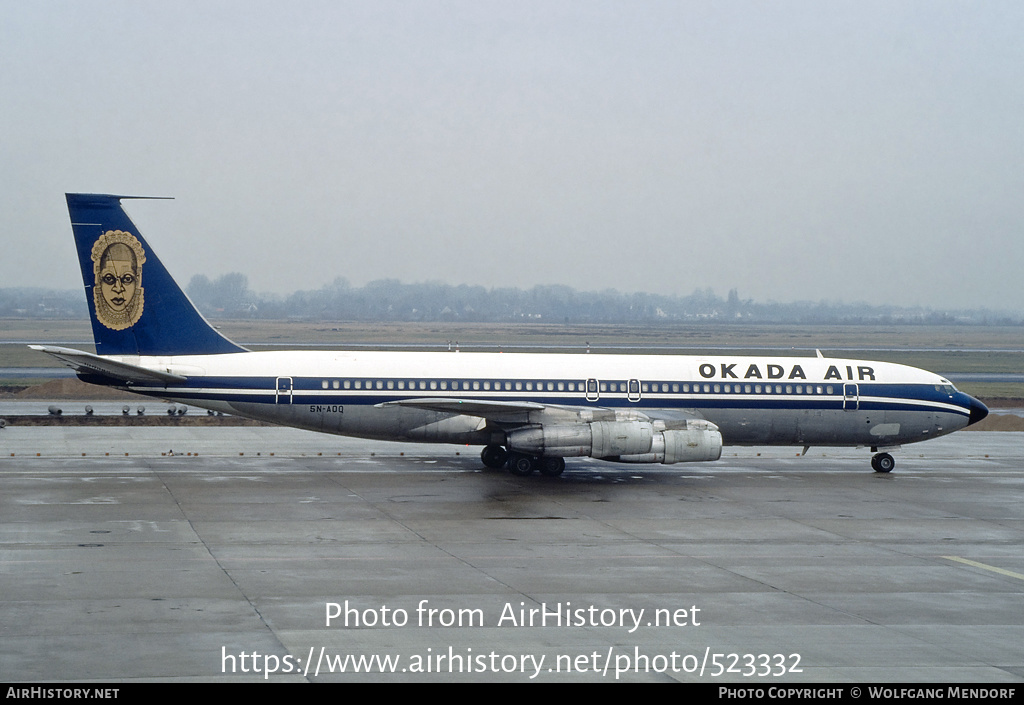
(978,411)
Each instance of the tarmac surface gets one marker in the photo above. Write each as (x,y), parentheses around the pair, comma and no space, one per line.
(217,554)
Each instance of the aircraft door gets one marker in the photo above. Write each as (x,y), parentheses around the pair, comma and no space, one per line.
(284,390)
(633,392)
(851,397)
(592,392)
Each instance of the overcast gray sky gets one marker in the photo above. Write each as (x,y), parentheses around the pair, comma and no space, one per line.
(859,151)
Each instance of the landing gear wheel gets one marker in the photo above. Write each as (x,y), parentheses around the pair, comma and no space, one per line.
(521,465)
(494,456)
(552,467)
(883,462)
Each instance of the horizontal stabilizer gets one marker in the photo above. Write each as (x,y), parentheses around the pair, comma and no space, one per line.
(89,364)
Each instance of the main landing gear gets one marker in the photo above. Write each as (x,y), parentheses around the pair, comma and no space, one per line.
(494,456)
(883,462)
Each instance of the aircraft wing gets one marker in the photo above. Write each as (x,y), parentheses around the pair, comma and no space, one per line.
(518,412)
(498,411)
(89,364)
(669,415)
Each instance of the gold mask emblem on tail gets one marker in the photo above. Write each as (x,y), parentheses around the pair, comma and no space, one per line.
(117,259)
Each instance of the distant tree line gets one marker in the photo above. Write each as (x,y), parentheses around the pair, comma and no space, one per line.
(229,296)
(29,302)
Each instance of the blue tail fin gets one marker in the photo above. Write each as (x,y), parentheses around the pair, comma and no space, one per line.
(135,305)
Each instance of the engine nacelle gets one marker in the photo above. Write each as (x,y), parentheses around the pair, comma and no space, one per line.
(626,441)
(690,445)
(597,439)
(563,441)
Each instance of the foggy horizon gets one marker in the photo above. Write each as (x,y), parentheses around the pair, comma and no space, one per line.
(798,151)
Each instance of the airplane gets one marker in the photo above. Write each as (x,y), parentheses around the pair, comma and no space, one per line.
(529,411)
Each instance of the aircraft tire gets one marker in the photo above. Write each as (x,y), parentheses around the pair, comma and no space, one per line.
(494,456)
(883,462)
(519,464)
(552,467)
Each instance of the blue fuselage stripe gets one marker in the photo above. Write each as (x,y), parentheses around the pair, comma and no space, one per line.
(868,396)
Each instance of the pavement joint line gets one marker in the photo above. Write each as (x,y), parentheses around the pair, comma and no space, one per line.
(984,566)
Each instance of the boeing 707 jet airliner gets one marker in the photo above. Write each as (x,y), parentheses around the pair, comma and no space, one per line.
(528,411)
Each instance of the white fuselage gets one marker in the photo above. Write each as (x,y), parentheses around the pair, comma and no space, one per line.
(752,400)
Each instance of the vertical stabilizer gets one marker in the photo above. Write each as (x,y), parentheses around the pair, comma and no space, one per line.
(136,307)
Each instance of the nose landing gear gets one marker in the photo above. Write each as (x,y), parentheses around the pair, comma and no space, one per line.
(883,462)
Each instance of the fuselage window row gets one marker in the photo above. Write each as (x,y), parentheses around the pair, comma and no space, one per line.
(579,387)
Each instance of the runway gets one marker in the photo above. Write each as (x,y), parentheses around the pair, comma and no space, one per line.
(223,560)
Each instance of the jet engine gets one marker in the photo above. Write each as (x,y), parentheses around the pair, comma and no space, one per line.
(625,441)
